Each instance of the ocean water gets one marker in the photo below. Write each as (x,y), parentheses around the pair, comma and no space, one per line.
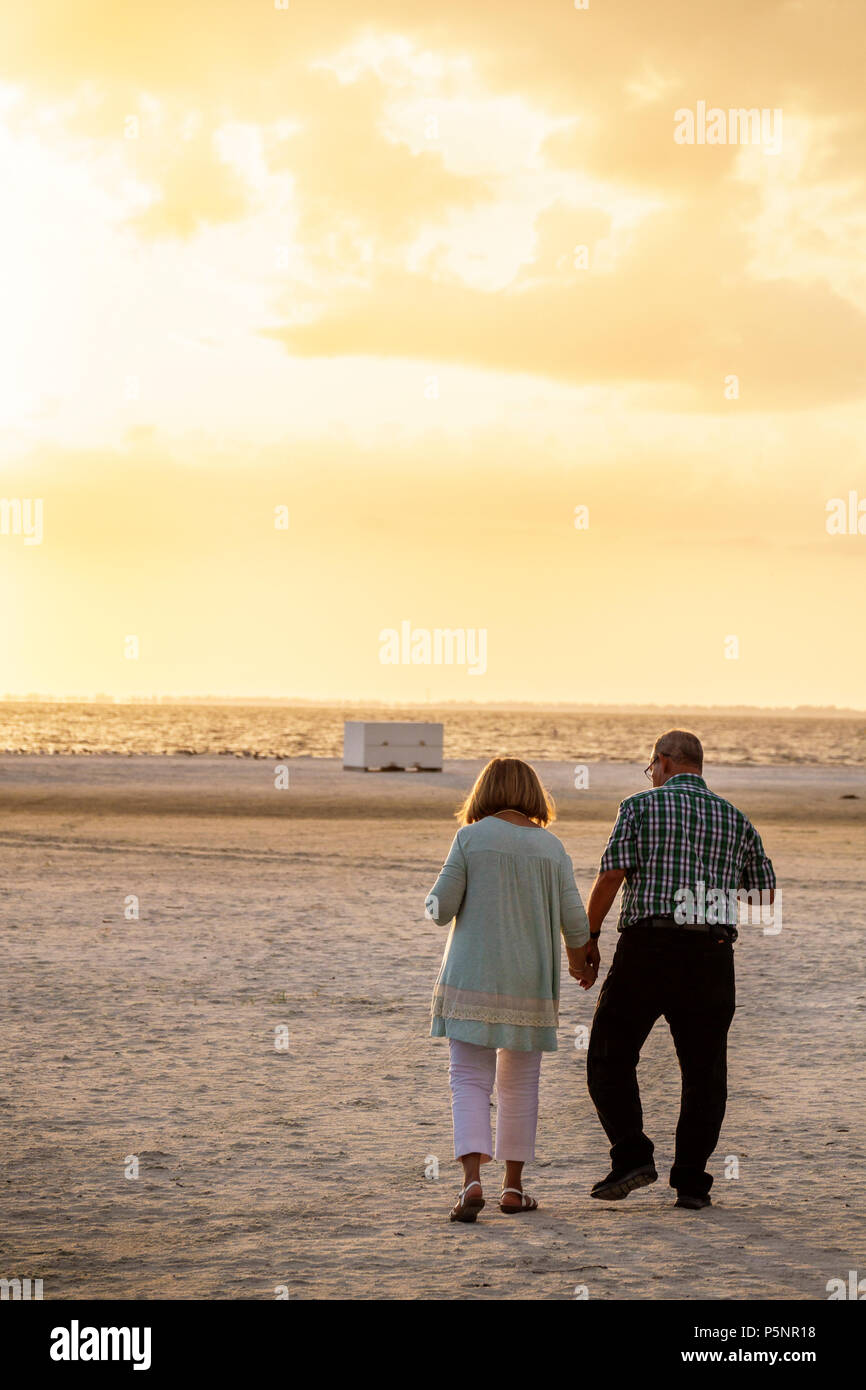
(290,731)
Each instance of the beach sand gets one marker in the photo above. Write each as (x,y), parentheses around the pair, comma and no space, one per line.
(305,1168)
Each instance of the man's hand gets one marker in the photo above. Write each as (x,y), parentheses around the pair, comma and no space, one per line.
(593,958)
(604,890)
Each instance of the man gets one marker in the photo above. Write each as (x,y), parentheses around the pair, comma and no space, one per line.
(673,846)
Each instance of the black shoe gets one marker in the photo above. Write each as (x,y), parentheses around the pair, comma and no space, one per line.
(619,1184)
(694,1203)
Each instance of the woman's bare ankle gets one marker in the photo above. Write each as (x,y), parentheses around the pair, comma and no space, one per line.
(514,1179)
(471,1171)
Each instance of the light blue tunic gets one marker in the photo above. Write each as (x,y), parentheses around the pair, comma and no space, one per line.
(511,890)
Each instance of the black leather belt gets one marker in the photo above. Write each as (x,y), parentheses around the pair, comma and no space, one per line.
(717,929)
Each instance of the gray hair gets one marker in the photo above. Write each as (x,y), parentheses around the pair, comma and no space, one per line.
(681,747)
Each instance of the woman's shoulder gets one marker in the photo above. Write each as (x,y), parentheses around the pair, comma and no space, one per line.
(555,844)
(534,839)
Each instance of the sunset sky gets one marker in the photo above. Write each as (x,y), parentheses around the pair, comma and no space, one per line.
(325,258)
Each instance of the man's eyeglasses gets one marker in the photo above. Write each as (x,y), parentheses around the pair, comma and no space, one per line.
(648,771)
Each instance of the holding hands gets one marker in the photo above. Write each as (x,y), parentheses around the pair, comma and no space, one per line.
(583,963)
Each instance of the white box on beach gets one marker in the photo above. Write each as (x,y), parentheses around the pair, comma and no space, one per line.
(392,746)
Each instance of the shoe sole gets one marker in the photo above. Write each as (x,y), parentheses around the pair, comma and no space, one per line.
(468,1214)
(615,1191)
(692,1203)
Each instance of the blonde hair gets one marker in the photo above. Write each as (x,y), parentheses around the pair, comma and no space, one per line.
(507,784)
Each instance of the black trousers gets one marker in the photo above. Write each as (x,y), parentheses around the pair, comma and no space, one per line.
(688,977)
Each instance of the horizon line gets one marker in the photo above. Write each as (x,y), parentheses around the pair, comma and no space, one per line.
(333,702)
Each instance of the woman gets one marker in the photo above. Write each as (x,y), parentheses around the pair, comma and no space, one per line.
(509,885)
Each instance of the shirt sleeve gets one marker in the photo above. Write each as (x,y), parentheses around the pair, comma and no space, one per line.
(621,849)
(573,920)
(757,870)
(444,899)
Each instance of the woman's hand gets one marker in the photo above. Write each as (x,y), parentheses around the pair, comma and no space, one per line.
(583,964)
(577,962)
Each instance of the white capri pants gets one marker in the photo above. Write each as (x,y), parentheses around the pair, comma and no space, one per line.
(473,1072)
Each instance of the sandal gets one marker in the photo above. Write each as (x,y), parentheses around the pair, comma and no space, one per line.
(527,1203)
(466,1208)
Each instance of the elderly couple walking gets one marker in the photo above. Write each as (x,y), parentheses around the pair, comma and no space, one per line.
(508,890)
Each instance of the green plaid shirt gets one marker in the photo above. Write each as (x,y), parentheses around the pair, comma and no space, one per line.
(679,836)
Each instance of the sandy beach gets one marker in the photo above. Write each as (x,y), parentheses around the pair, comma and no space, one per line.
(302,908)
